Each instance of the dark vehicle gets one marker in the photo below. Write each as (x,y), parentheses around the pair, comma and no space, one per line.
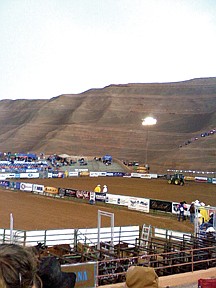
(177,179)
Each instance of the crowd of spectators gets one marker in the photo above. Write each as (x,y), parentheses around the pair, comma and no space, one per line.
(15,163)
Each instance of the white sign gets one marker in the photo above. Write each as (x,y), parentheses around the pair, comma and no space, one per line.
(38,188)
(26,187)
(117,199)
(73,174)
(139,204)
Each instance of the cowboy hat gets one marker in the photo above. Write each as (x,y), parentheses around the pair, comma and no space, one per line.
(52,276)
(141,277)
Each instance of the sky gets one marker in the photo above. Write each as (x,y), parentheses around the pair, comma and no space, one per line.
(54,47)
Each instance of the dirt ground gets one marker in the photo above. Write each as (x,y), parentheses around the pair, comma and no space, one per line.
(35,212)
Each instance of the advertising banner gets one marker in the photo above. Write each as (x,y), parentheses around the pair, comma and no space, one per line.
(138,204)
(28,187)
(154,176)
(84,173)
(102,174)
(118,174)
(67,192)
(73,174)
(3,176)
(10,175)
(83,194)
(135,175)
(201,179)
(38,188)
(110,174)
(189,178)
(93,174)
(100,196)
(29,175)
(145,176)
(160,205)
(14,185)
(111,199)
(123,200)
(85,273)
(57,174)
(92,197)
(4,183)
(117,199)
(31,170)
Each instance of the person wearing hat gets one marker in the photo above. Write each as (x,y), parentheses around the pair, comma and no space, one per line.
(141,277)
(192,212)
(105,189)
(51,275)
(97,188)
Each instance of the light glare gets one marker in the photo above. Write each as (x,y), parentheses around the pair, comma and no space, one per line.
(149,121)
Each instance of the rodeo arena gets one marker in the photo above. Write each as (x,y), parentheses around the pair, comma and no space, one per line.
(102,255)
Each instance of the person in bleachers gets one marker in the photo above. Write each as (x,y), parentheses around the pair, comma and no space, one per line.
(18,267)
(141,277)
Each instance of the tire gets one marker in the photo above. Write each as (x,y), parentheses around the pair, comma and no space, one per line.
(169,181)
(176,182)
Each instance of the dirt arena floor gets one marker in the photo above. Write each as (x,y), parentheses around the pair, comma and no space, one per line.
(35,212)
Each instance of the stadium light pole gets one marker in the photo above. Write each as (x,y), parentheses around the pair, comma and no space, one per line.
(148,121)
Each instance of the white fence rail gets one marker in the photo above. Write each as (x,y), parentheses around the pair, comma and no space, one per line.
(70,236)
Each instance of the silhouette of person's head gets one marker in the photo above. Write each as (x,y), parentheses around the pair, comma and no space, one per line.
(18,267)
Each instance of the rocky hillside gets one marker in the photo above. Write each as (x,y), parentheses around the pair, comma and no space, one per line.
(109,120)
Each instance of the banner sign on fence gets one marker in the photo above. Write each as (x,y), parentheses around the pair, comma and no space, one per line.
(100,196)
(118,174)
(57,174)
(3,176)
(67,192)
(26,187)
(38,188)
(135,175)
(117,199)
(139,204)
(145,176)
(14,185)
(201,179)
(29,175)
(4,183)
(85,273)
(161,205)
(73,174)
(83,194)
(93,174)
(110,174)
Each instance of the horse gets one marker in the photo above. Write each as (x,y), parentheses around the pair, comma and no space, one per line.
(59,250)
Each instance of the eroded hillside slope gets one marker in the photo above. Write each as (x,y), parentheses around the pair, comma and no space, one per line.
(108,120)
